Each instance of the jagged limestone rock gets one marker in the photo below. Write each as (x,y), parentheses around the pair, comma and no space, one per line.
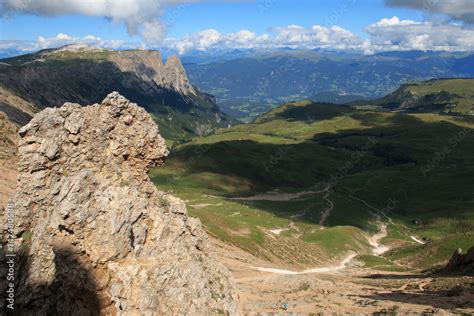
(101,239)
(149,66)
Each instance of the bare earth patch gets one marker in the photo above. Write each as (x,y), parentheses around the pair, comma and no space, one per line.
(339,291)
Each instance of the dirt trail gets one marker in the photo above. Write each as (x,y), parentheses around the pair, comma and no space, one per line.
(357,290)
(375,240)
(338,267)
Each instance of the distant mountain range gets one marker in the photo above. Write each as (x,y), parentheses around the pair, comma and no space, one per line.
(85,75)
(247,83)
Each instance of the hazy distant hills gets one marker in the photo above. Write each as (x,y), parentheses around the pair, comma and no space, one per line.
(253,82)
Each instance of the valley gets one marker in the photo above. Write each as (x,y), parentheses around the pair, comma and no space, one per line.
(317,206)
(234,158)
(320,192)
(248,83)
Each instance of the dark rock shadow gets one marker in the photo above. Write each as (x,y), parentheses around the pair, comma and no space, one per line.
(395,276)
(447,299)
(73,290)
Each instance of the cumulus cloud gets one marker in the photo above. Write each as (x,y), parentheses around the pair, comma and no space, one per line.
(461,10)
(17,46)
(62,39)
(388,34)
(141,17)
(293,36)
(213,39)
(396,34)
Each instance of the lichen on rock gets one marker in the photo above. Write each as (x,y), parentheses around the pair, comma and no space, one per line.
(103,239)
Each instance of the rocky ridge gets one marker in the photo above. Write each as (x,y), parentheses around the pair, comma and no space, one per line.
(100,238)
(85,75)
(8,159)
(149,66)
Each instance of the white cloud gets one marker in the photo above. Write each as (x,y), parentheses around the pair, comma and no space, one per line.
(91,38)
(462,10)
(141,17)
(62,39)
(290,36)
(391,22)
(17,46)
(394,34)
(388,34)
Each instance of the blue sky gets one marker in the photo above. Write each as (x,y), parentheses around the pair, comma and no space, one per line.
(365,25)
(255,16)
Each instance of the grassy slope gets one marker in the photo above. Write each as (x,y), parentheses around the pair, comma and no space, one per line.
(446,95)
(271,154)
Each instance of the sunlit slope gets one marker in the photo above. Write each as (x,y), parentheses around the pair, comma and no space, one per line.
(454,96)
(413,172)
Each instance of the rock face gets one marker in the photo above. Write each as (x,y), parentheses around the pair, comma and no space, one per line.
(101,239)
(8,160)
(85,75)
(463,263)
(149,66)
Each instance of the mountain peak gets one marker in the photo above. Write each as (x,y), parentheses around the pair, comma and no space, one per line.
(148,65)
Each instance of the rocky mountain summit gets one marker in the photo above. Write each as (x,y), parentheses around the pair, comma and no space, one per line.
(85,75)
(100,238)
(149,66)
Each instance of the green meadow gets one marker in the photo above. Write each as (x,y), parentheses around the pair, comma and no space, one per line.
(412,171)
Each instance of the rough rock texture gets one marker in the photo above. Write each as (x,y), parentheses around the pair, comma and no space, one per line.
(101,239)
(463,263)
(149,66)
(8,160)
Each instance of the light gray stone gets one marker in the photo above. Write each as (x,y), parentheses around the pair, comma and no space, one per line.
(103,239)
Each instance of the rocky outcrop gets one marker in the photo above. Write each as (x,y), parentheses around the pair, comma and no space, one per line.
(101,239)
(148,65)
(8,160)
(463,263)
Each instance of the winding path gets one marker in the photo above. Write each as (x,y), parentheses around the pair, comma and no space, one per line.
(374,240)
(338,267)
